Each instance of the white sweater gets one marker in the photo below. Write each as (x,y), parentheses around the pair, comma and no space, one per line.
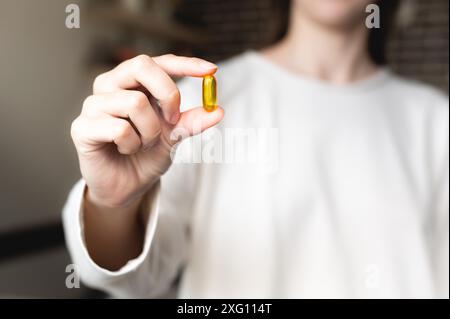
(349,197)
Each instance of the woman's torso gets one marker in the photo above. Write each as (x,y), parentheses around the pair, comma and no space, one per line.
(333,197)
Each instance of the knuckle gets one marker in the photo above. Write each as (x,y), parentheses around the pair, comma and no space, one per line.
(174,96)
(124,129)
(138,101)
(168,56)
(75,129)
(141,61)
(87,105)
(98,81)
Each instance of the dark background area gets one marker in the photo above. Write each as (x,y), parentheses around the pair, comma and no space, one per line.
(46,71)
(417,47)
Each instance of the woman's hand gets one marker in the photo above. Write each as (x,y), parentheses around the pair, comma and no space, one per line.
(122,135)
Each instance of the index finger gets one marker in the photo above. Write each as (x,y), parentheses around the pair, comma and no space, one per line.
(185,66)
(153,74)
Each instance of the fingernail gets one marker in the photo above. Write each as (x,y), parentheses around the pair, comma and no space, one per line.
(208,65)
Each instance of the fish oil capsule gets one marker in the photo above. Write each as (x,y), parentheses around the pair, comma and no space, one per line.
(209,88)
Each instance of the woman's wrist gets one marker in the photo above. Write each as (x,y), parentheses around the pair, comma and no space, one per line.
(93,204)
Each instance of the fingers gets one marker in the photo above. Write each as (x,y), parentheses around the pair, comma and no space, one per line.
(133,105)
(184,66)
(116,100)
(93,130)
(142,70)
(88,133)
(153,74)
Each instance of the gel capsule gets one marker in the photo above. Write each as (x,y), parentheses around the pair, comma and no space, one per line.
(209,93)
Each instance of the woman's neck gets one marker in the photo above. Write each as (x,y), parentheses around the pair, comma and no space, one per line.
(336,55)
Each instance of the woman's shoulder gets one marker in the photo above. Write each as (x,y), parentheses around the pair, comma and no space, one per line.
(421,100)
(425,108)
(418,93)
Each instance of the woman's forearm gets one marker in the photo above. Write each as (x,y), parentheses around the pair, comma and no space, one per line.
(113,235)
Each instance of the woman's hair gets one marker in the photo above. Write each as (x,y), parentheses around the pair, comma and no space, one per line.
(378,37)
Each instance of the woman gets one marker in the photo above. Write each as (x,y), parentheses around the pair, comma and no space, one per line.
(355,206)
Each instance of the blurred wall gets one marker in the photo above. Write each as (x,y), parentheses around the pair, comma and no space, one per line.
(419,46)
(41,85)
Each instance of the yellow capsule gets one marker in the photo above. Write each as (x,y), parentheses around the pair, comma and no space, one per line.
(209,87)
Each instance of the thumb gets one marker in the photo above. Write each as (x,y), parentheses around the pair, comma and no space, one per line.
(196,120)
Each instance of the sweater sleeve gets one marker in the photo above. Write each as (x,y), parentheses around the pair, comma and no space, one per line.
(128,280)
(154,271)
(440,241)
(438,230)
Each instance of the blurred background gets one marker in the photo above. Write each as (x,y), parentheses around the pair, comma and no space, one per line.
(46,71)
